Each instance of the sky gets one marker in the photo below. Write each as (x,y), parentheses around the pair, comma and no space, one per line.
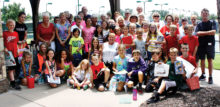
(96,6)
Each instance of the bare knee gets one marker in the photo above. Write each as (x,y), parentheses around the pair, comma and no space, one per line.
(101,88)
(130,84)
(53,85)
(24,81)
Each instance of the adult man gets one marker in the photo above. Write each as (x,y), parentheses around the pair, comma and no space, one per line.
(139,10)
(206,32)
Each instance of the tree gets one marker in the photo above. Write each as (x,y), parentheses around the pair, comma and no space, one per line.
(11,11)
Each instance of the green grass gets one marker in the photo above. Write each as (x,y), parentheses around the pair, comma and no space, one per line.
(216,62)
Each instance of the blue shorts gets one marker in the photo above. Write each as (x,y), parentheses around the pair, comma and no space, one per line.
(21,75)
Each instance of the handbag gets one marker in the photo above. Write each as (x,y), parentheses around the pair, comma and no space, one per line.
(193,83)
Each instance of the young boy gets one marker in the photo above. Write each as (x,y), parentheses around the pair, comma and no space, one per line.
(76,44)
(173,80)
(172,39)
(10,43)
(100,73)
(136,70)
(188,57)
(139,43)
(191,40)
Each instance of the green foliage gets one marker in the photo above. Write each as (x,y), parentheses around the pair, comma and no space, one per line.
(11,11)
(213,16)
(28,17)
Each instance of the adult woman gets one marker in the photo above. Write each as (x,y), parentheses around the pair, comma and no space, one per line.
(156,19)
(62,33)
(109,51)
(21,28)
(46,31)
(165,30)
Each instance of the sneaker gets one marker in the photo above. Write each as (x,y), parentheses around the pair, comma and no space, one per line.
(202,77)
(140,90)
(155,98)
(16,86)
(210,80)
(85,87)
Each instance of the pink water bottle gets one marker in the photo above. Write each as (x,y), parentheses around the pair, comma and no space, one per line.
(135,93)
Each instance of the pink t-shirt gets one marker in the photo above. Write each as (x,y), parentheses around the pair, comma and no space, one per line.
(83,23)
(117,39)
(88,35)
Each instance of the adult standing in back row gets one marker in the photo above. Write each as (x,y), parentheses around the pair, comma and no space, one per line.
(206,32)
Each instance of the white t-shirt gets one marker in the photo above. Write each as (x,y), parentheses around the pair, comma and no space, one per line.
(181,30)
(80,75)
(109,52)
(80,29)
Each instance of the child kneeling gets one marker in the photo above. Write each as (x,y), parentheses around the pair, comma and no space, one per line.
(100,73)
(81,76)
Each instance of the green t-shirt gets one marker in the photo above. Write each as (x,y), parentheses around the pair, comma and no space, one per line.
(173,76)
(76,43)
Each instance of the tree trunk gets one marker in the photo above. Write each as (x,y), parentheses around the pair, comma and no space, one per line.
(218,13)
(115,6)
(35,7)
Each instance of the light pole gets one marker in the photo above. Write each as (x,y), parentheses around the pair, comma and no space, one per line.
(139,1)
(48,4)
(100,8)
(161,5)
(4,3)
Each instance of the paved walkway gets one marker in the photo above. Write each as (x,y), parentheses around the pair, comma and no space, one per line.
(42,95)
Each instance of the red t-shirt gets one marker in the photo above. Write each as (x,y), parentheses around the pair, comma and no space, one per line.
(190,59)
(191,41)
(10,42)
(171,41)
(165,29)
(45,33)
(96,69)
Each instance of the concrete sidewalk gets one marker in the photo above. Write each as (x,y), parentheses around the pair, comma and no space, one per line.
(42,95)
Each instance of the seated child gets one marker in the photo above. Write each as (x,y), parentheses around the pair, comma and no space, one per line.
(173,81)
(26,67)
(136,70)
(100,73)
(119,64)
(81,76)
(153,82)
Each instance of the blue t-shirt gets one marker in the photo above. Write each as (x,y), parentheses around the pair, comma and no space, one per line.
(63,30)
(121,63)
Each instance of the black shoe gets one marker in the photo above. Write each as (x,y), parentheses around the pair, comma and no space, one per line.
(16,86)
(155,98)
(210,80)
(202,77)
(140,90)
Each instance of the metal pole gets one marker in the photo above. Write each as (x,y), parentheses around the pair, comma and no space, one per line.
(46,7)
(78,5)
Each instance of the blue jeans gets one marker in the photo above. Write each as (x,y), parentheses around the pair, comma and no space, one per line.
(77,58)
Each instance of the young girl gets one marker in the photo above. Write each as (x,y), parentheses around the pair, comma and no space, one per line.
(26,67)
(11,39)
(105,30)
(126,39)
(132,28)
(95,48)
(145,27)
(99,34)
(88,33)
(120,64)
(39,60)
(50,70)
(81,76)
(117,34)
(76,44)
(64,63)
(154,39)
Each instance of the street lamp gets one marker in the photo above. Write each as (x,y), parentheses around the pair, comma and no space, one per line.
(4,2)
(48,4)
(139,1)
(100,8)
(161,5)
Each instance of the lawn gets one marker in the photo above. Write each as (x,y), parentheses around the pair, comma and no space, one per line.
(216,62)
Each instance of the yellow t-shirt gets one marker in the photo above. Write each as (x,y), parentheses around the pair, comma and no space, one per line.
(76,43)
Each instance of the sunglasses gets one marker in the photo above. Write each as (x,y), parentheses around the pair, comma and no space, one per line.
(153,53)
(156,16)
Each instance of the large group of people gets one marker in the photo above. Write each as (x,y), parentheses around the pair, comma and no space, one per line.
(91,53)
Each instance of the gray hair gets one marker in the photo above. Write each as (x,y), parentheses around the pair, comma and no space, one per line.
(45,14)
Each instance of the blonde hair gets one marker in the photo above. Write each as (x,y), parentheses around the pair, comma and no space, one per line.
(119,17)
(79,67)
(26,53)
(193,16)
(121,46)
(136,51)
(173,50)
(173,26)
(10,21)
